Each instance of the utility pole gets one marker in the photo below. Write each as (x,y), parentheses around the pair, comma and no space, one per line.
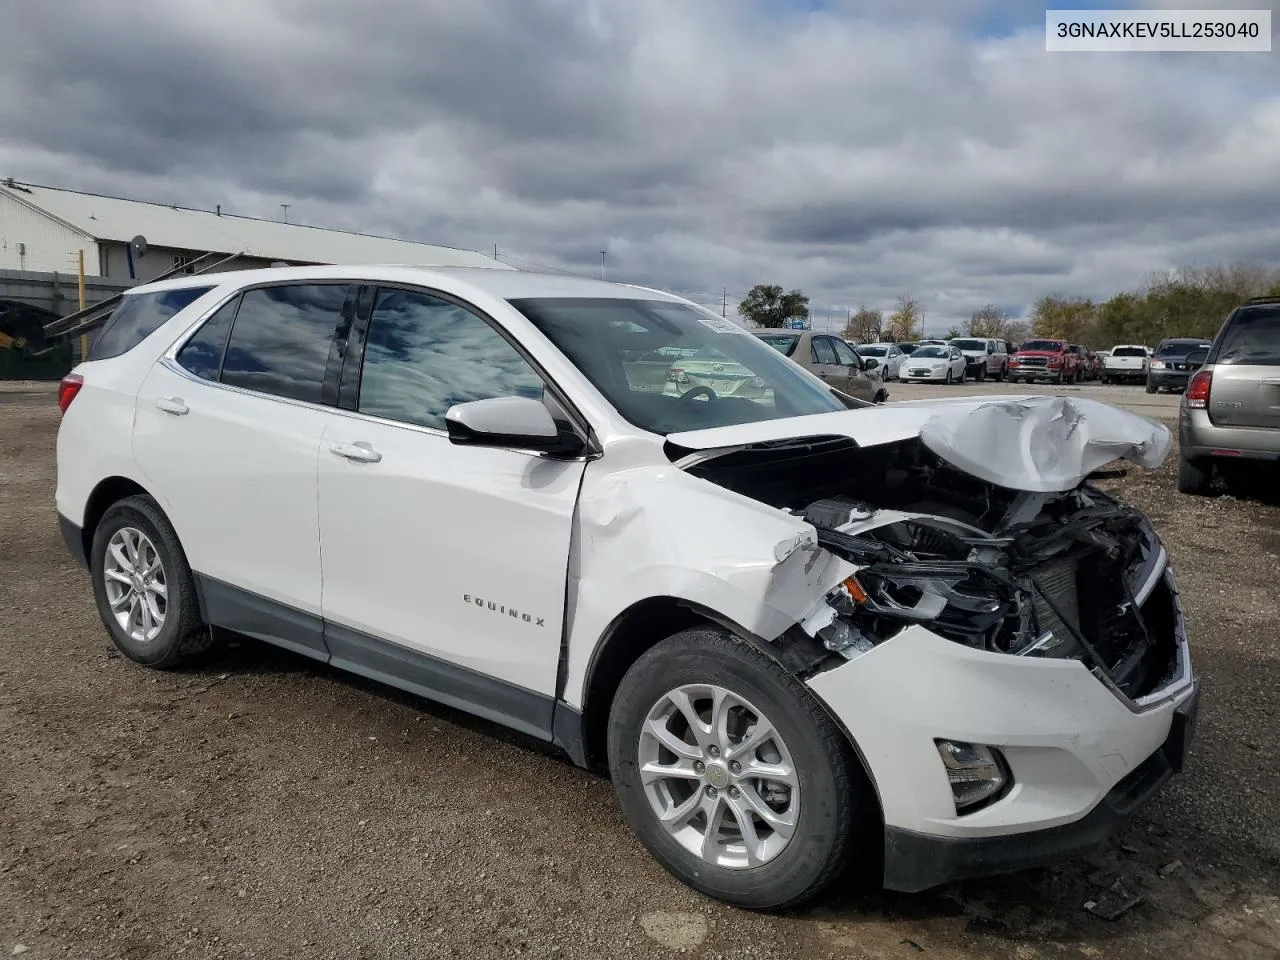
(284,207)
(724,303)
(495,251)
(84,337)
(602,264)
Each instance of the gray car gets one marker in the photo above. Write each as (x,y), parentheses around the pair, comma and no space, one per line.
(1231,407)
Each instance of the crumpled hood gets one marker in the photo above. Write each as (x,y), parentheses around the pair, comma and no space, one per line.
(1038,444)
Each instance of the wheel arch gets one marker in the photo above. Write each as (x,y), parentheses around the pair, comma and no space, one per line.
(643,625)
(107,492)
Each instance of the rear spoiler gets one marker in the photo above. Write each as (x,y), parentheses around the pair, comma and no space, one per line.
(91,317)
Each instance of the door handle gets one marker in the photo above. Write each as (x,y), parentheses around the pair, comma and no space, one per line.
(172,405)
(358,452)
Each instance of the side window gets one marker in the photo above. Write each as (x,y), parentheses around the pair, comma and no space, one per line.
(202,354)
(137,317)
(845,354)
(281,338)
(424,355)
(822,351)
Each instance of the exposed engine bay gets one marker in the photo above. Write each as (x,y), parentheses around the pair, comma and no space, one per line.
(1071,574)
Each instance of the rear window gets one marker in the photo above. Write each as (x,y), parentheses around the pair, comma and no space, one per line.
(872,351)
(783,344)
(1128,352)
(138,316)
(1252,337)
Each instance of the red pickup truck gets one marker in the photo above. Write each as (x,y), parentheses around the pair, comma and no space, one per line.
(1048,360)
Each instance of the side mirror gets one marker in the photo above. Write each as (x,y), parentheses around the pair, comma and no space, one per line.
(519,422)
(871,363)
(1197,357)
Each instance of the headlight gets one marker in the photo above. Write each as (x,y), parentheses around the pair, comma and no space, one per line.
(952,601)
(977,773)
(1157,364)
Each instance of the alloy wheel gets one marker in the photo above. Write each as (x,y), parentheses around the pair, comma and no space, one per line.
(718,776)
(137,591)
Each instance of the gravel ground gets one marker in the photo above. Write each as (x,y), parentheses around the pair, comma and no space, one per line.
(263,806)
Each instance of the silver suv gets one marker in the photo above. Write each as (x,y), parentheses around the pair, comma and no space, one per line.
(1231,407)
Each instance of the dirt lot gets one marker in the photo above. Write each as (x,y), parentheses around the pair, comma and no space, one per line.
(262,806)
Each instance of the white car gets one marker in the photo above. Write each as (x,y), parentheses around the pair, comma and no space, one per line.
(799,630)
(985,357)
(888,357)
(940,362)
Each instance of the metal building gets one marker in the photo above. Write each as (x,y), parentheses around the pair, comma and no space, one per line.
(43,228)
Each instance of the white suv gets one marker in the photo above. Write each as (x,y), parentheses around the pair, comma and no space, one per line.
(799,630)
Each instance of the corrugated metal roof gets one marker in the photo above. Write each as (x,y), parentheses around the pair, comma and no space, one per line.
(112,218)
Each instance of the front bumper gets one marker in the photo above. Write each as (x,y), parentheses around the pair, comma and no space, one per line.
(1035,373)
(1172,379)
(939,374)
(916,861)
(1200,437)
(1080,754)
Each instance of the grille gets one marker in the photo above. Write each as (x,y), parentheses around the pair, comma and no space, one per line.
(1034,361)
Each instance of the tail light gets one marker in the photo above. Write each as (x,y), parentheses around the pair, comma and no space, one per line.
(1197,394)
(68,389)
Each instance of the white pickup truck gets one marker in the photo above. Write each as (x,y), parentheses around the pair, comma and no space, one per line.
(1126,362)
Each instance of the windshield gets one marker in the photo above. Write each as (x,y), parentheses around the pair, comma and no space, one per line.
(1179,349)
(1252,337)
(1052,346)
(928,352)
(970,344)
(871,351)
(784,343)
(624,348)
(1128,352)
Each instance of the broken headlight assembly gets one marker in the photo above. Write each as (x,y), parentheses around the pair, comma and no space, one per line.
(959,601)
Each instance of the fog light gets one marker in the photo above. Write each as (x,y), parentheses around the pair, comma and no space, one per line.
(976,773)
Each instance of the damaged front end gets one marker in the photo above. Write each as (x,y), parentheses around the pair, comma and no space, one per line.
(978,521)
(1075,575)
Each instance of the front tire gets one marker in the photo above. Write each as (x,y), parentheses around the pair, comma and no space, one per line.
(950,378)
(143,586)
(694,716)
(1151,387)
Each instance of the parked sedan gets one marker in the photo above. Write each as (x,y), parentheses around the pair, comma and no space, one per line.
(888,358)
(831,359)
(935,362)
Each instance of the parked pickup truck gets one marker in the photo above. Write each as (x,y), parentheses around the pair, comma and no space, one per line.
(1126,362)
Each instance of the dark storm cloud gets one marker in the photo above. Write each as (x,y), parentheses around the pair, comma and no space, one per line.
(858,150)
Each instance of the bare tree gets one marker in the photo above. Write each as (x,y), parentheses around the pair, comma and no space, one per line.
(864,325)
(990,321)
(907,322)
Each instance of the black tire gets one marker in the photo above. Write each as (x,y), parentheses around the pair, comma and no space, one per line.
(950,378)
(1194,477)
(183,636)
(881,397)
(1001,374)
(837,806)
(1058,379)
(1151,387)
(982,374)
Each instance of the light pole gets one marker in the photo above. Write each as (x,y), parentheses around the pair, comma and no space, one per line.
(602,264)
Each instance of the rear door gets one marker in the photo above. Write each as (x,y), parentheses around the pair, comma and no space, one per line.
(228,430)
(1246,372)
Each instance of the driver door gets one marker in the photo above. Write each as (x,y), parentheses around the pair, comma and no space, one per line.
(444,566)
(860,385)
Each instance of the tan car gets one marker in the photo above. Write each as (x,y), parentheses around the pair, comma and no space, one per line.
(830,358)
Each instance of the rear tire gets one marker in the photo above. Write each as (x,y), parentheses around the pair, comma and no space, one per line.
(831,797)
(162,626)
(1194,476)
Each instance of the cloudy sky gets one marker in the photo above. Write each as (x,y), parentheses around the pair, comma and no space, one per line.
(856,150)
